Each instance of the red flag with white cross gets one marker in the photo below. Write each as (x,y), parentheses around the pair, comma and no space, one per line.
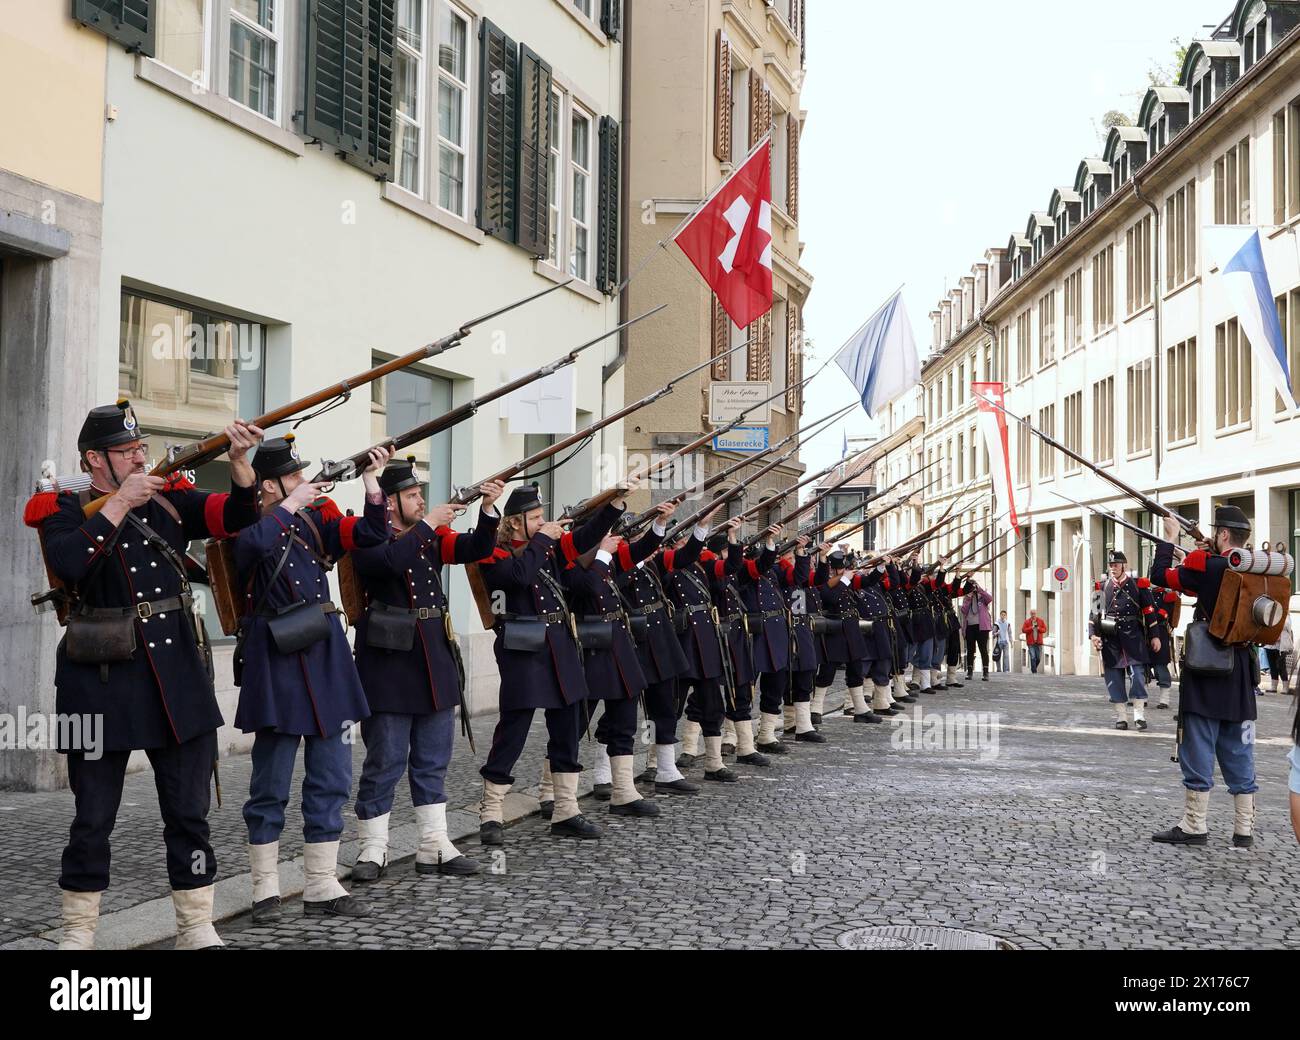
(729,240)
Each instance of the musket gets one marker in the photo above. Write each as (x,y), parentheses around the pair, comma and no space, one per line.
(996,556)
(351,467)
(700,486)
(1190,527)
(822,525)
(975,552)
(918,540)
(473,492)
(588,505)
(194,455)
(1113,517)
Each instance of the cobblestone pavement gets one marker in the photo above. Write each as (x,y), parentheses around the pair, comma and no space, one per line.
(1041,838)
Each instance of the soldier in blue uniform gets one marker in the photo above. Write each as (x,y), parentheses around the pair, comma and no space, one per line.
(798,576)
(410,668)
(538,656)
(614,675)
(903,642)
(843,645)
(299,684)
(1217,712)
(944,593)
(703,684)
(147,674)
(871,587)
(1124,629)
(662,662)
(921,607)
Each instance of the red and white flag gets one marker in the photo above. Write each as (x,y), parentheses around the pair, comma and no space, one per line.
(729,240)
(993,424)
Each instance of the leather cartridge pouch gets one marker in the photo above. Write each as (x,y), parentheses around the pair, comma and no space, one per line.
(1108,627)
(390,628)
(1203,654)
(100,640)
(596,635)
(639,625)
(297,626)
(820,625)
(528,636)
(866,627)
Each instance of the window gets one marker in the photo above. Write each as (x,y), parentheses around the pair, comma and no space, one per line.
(970,440)
(580,167)
(181,37)
(1139,408)
(1232,185)
(739,111)
(189,371)
(1180,392)
(780,158)
(1137,260)
(555,184)
(1022,454)
(1103,289)
(1103,420)
(961,383)
(961,458)
(1047,329)
(1180,235)
(1286,163)
(1202,86)
(584,7)
(1254,41)
(1233,379)
(1074,311)
(1046,453)
(255,55)
(1288,315)
(405,399)
(1023,356)
(1072,431)
(408,99)
(453,108)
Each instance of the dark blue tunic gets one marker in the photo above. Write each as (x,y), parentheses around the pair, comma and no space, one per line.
(1230,698)
(529,580)
(163,693)
(1132,607)
(689,591)
(767,613)
(803,599)
(843,642)
(404,572)
(869,588)
(731,613)
(661,654)
(311,692)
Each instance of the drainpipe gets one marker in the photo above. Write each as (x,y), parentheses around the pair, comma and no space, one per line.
(624,192)
(1157,443)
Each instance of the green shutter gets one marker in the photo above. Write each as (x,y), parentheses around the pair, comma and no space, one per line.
(532,224)
(608,204)
(498,137)
(377,155)
(334,105)
(129,22)
(611,18)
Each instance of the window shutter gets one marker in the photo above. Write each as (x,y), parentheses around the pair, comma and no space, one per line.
(794,355)
(611,18)
(498,133)
(532,221)
(607,233)
(793,127)
(722,99)
(334,107)
(759,369)
(376,152)
(130,22)
(760,108)
(721,341)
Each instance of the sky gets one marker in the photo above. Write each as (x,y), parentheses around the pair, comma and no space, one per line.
(934,130)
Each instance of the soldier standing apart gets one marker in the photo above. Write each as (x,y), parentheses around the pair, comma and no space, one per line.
(299,684)
(1124,628)
(409,668)
(538,656)
(152,683)
(1217,712)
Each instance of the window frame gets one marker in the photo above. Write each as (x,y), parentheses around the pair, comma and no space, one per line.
(278,19)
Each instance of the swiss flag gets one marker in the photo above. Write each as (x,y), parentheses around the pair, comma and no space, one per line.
(730,239)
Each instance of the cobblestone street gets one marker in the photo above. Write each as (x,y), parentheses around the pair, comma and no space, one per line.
(1040,836)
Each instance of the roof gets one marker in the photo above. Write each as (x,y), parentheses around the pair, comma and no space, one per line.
(1125,134)
(1092,165)
(1215,50)
(1166,96)
(1063,195)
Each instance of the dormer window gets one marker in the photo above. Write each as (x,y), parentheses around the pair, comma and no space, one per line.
(1202,87)
(1158,131)
(1122,169)
(1254,37)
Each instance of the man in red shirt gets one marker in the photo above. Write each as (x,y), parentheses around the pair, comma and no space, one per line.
(1034,629)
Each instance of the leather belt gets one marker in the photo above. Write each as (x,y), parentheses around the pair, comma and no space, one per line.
(423,613)
(146,609)
(555,617)
(695,608)
(766,615)
(613,615)
(326,608)
(647,608)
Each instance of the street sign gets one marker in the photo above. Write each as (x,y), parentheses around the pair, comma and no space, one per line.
(728,400)
(1061,579)
(742,438)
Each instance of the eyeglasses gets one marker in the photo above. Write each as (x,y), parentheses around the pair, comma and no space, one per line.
(140,451)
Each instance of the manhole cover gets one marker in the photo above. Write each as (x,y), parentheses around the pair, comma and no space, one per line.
(911,937)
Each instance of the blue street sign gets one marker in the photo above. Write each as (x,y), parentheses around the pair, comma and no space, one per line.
(742,438)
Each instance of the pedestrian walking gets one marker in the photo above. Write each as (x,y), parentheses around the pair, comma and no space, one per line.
(1002,646)
(1034,629)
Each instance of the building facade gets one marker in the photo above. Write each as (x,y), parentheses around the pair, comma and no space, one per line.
(1113,334)
(295,190)
(711,79)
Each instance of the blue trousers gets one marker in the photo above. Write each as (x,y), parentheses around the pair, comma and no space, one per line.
(1233,743)
(1163,678)
(1004,659)
(419,745)
(923,653)
(1035,656)
(326,783)
(1116,685)
(939,652)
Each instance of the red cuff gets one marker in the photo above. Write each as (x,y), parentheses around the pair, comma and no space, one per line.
(1148,610)
(214,509)
(449,547)
(1171,579)
(1195,560)
(345,532)
(567,547)
(1144,583)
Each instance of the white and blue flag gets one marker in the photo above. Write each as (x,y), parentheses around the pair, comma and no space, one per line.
(1239,253)
(880,359)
